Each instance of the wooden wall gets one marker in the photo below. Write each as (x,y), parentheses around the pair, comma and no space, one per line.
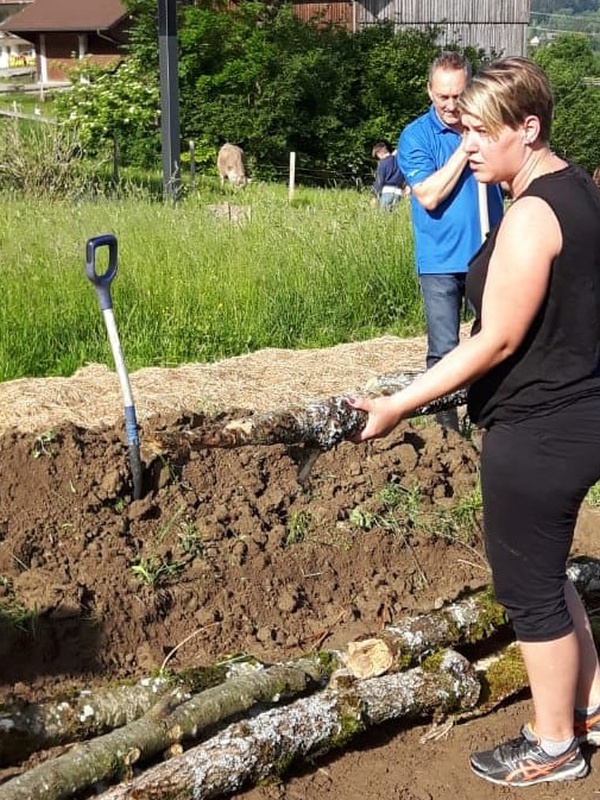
(498,25)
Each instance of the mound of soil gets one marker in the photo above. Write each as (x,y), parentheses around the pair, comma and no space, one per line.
(227,552)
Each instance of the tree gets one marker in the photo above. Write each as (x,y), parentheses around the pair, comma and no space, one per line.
(570,65)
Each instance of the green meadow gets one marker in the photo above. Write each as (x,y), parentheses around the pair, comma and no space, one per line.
(218,274)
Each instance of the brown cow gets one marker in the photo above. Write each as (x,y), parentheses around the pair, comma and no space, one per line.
(230,163)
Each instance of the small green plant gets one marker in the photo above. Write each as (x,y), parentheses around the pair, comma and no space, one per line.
(593,496)
(362,519)
(462,521)
(159,568)
(156,571)
(396,497)
(164,530)
(190,539)
(119,505)
(41,445)
(14,613)
(399,509)
(297,528)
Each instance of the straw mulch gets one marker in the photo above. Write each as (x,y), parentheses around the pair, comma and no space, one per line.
(260,381)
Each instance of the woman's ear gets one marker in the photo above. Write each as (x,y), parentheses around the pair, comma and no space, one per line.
(531,129)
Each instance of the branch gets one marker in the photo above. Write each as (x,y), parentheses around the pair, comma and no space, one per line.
(25,729)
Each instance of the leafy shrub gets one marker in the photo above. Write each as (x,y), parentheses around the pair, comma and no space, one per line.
(117,104)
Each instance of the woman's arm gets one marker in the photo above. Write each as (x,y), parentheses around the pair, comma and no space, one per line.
(519,271)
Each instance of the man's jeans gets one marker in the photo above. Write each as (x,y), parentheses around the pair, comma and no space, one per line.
(390,197)
(443,298)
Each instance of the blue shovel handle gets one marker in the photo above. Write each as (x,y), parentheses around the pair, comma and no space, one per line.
(103,281)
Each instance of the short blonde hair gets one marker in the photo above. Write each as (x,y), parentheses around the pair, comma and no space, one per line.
(506,92)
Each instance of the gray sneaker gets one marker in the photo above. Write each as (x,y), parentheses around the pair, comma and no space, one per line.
(522,762)
(587,727)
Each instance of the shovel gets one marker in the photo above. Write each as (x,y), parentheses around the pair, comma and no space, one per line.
(102,284)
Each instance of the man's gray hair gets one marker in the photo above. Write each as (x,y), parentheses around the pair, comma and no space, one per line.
(450,59)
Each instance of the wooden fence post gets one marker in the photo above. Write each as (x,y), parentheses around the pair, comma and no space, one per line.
(192,164)
(292,176)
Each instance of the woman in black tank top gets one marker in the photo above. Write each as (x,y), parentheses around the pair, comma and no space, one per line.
(531,368)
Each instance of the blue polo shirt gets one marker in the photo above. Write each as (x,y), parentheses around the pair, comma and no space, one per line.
(447,237)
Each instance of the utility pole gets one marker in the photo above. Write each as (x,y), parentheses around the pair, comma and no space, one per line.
(169,96)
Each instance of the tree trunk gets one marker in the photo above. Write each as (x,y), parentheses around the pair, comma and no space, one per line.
(255,749)
(398,645)
(466,621)
(175,719)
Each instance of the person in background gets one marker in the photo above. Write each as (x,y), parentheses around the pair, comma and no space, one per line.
(450,216)
(389,186)
(596,177)
(532,368)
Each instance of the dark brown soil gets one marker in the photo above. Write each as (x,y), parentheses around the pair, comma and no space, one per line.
(228,551)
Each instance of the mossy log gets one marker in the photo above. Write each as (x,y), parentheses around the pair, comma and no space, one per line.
(176,719)
(252,750)
(27,728)
(167,723)
(502,676)
(468,620)
(319,425)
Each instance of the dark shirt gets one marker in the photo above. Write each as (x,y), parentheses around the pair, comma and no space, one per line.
(557,362)
(388,174)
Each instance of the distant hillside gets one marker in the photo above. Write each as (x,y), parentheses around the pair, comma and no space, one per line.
(561,6)
(550,18)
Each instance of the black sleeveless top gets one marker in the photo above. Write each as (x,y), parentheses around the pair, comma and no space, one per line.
(558,360)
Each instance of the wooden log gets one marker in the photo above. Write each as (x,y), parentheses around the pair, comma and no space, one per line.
(321,425)
(171,721)
(27,728)
(471,619)
(166,724)
(252,750)
(584,572)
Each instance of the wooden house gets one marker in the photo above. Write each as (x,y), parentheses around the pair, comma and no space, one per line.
(498,26)
(65,31)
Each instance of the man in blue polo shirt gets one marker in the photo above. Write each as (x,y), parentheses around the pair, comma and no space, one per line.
(451,212)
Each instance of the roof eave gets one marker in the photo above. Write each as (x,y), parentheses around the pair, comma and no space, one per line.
(62,29)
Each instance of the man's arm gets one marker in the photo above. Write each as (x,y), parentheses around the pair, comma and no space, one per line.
(436,188)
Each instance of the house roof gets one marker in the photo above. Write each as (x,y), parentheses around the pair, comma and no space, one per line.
(65,15)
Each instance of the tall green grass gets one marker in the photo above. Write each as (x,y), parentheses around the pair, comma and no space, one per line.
(193,286)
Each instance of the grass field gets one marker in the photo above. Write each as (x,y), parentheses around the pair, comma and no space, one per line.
(218,274)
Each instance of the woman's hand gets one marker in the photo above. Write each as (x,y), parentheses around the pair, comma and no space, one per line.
(384,415)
